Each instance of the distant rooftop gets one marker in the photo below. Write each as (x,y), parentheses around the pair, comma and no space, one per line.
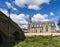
(42,22)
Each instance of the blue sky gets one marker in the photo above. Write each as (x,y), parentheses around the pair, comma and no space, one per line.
(44,10)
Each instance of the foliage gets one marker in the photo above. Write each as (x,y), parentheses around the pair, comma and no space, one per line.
(39,41)
(59,22)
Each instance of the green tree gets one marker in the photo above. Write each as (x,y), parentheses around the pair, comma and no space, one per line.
(59,23)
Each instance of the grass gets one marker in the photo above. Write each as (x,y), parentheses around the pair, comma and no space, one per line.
(39,41)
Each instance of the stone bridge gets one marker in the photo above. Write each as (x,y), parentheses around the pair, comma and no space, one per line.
(9,30)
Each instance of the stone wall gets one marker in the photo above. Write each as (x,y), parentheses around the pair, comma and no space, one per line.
(43,34)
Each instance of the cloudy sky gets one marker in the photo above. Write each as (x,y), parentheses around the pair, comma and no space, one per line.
(40,10)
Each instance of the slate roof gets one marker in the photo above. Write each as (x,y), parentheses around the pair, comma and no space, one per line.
(43,22)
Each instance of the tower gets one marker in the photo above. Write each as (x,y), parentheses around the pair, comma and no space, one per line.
(29,23)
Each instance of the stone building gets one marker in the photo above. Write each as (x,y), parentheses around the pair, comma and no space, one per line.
(58,31)
(25,30)
(9,30)
(41,26)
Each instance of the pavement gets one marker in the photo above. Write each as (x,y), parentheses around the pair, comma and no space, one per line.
(43,34)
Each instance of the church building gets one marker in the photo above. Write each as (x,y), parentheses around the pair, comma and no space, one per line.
(41,26)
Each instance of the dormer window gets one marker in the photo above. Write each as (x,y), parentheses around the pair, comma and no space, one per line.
(52,24)
(40,25)
(31,25)
(34,25)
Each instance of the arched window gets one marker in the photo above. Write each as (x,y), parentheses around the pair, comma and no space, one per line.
(46,28)
(40,25)
(37,25)
(43,25)
(52,24)
(31,25)
(40,31)
(34,25)
(36,31)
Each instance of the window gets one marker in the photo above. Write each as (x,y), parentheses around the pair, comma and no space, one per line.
(36,31)
(40,25)
(52,24)
(34,25)
(43,24)
(37,25)
(46,28)
(40,31)
(31,25)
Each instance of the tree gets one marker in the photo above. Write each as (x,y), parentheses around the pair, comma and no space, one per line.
(59,23)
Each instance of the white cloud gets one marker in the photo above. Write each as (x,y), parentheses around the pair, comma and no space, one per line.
(14,8)
(45,15)
(57,28)
(21,3)
(9,5)
(4,11)
(20,20)
(31,4)
(39,17)
(51,13)
(24,26)
(35,7)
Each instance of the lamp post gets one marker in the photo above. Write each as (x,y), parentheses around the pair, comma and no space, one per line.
(8,29)
(9,11)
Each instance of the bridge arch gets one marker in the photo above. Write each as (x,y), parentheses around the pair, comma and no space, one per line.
(2,37)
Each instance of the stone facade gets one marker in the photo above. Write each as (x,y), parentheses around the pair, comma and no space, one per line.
(41,27)
(25,30)
(9,30)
